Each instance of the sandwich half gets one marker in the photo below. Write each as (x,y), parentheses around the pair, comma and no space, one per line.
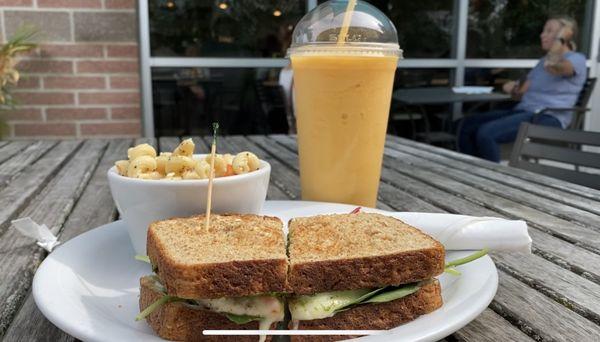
(360,272)
(230,276)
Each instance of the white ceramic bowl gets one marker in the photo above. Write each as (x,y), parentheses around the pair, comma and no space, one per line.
(141,202)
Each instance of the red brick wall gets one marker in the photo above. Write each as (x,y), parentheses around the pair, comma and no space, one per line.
(83,80)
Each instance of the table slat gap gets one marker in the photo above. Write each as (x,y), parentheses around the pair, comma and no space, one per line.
(566,288)
(541,180)
(51,206)
(556,250)
(590,237)
(30,182)
(575,215)
(488,327)
(95,207)
(283,183)
(516,185)
(10,149)
(15,165)
(528,310)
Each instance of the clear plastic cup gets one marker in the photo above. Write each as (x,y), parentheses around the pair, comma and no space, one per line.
(342,93)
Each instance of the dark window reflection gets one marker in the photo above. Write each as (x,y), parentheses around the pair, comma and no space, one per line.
(242,100)
(223,28)
(493,77)
(405,120)
(511,29)
(425,27)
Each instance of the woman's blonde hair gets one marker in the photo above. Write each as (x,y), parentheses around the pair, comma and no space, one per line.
(570,23)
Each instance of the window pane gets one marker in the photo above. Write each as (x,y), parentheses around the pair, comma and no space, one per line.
(511,29)
(242,100)
(407,120)
(425,27)
(222,28)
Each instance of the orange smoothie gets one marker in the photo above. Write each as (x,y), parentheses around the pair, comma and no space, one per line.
(342,105)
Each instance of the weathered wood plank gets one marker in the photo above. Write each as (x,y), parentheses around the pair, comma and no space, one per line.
(20,256)
(580,235)
(525,175)
(552,201)
(283,177)
(12,167)
(3,142)
(17,194)
(225,145)
(168,144)
(565,254)
(557,195)
(489,326)
(567,288)
(8,150)
(94,208)
(538,316)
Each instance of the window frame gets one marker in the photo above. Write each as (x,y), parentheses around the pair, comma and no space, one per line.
(459,63)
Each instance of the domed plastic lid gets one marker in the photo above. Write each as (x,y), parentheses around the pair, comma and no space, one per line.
(370,32)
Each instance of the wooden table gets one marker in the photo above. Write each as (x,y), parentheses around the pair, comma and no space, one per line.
(553,294)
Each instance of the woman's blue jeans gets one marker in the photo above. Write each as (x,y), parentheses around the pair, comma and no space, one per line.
(481,134)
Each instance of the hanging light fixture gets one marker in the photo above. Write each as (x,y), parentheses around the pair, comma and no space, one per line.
(277,13)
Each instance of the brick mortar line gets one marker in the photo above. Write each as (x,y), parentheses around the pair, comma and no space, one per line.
(66,9)
(76,59)
(58,74)
(75,90)
(83,106)
(72,26)
(75,121)
(3,18)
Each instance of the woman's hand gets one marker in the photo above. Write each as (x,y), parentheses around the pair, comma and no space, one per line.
(509,87)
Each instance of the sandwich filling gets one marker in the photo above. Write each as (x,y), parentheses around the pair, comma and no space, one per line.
(327,304)
(265,308)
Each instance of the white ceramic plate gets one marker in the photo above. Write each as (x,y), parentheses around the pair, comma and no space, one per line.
(88,287)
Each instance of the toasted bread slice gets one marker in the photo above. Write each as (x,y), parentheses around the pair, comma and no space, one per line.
(354,251)
(178,322)
(381,316)
(239,255)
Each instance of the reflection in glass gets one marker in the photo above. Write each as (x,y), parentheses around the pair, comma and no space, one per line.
(425,27)
(511,29)
(222,28)
(242,100)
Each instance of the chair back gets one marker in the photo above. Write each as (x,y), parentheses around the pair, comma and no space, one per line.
(557,153)
(582,102)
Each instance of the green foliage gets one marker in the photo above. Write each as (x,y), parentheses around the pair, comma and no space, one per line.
(511,29)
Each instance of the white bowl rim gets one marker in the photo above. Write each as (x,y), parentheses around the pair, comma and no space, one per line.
(263,168)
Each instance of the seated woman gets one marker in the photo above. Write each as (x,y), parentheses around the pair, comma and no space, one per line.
(555,81)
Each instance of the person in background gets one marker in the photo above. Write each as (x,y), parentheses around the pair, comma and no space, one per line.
(555,81)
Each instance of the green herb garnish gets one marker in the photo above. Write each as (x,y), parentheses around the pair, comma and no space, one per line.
(242,319)
(394,294)
(143,258)
(158,303)
(450,266)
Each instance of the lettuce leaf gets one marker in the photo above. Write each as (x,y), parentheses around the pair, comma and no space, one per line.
(242,319)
